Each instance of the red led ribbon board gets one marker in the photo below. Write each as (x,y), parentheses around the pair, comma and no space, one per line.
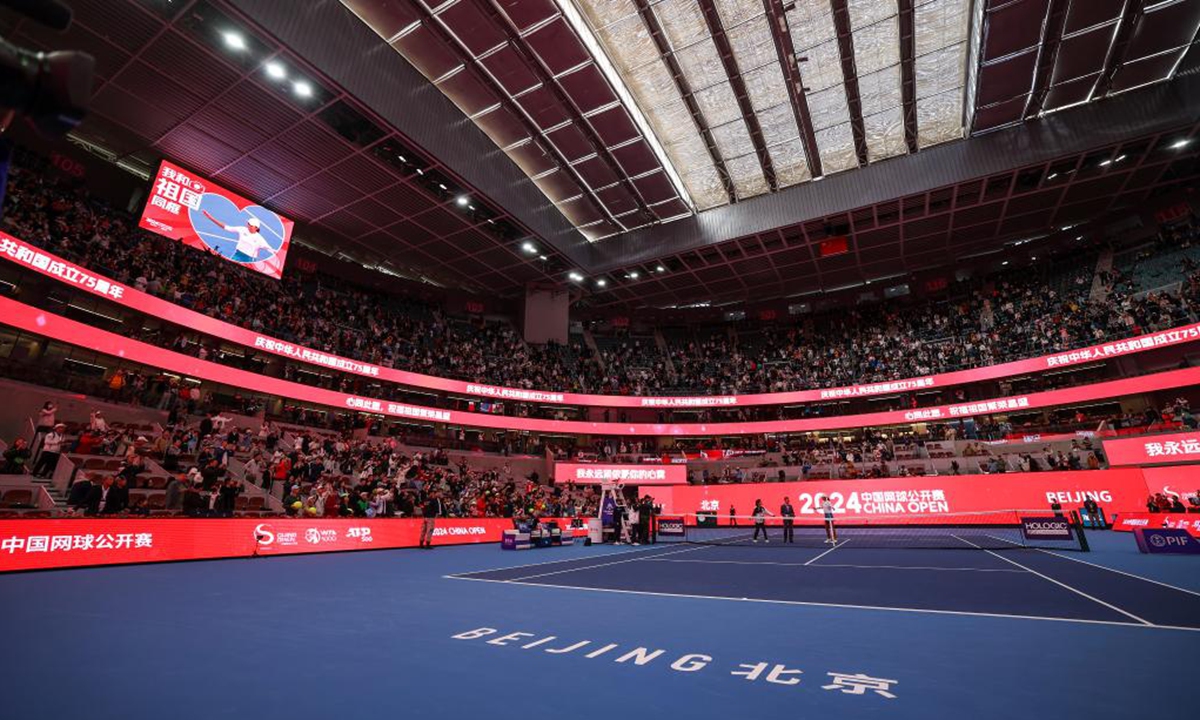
(46,324)
(43,544)
(37,260)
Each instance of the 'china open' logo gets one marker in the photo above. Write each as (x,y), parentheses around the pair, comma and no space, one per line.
(263,534)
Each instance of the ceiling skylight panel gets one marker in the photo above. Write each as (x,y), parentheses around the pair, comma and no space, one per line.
(766,86)
(869,12)
(884,132)
(752,44)
(683,22)
(877,46)
(653,85)
(701,65)
(718,104)
(778,124)
(747,176)
(939,118)
(605,12)
(823,69)
(836,147)
(939,71)
(733,139)
(880,90)
(633,37)
(940,68)
(791,167)
(828,108)
(811,23)
(939,24)
(705,186)
(735,12)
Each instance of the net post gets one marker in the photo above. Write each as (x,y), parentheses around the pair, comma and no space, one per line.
(1077,526)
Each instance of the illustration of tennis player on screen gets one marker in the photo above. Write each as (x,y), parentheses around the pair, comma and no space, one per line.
(250,235)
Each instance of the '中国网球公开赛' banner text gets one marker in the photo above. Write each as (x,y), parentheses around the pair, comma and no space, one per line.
(201,214)
(40,322)
(38,544)
(28,256)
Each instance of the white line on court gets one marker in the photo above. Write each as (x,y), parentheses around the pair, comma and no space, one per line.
(607,564)
(1060,584)
(963,613)
(552,562)
(835,565)
(835,547)
(1105,567)
(1121,572)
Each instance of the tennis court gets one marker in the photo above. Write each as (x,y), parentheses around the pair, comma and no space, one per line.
(687,630)
(1018,582)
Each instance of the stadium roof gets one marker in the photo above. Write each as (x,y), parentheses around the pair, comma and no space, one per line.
(494,143)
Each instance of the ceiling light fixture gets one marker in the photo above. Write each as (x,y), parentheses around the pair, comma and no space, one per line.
(634,275)
(276,70)
(233,40)
(660,268)
(529,247)
(601,282)
(302,88)
(461,200)
(575,276)
(1181,143)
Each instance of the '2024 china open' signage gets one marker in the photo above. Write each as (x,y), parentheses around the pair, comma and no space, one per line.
(201,214)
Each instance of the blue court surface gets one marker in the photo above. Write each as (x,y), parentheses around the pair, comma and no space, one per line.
(667,630)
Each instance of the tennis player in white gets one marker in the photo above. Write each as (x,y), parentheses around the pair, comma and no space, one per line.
(250,241)
(827,511)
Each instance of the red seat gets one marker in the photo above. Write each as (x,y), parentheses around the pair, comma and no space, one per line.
(241,503)
(256,503)
(156,501)
(157,482)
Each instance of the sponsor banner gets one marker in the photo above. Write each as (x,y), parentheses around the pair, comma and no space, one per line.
(1046,528)
(56,327)
(592,473)
(1128,522)
(40,544)
(1166,541)
(203,215)
(1154,449)
(54,267)
(671,526)
(1115,490)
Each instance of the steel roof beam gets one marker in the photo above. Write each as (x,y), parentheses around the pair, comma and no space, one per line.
(685,92)
(908,81)
(845,39)
(782,37)
(717,30)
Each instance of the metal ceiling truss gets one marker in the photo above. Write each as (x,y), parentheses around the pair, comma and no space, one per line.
(786,53)
(715,28)
(845,40)
(686,93)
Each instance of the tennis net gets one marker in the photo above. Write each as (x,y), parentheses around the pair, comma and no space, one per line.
(993,530)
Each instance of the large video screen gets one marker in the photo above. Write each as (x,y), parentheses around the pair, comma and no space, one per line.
(200,214)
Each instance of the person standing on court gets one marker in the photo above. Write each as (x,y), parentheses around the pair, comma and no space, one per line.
(788,512)
(429,514)
(827,511)
(760,514)
(732,516)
